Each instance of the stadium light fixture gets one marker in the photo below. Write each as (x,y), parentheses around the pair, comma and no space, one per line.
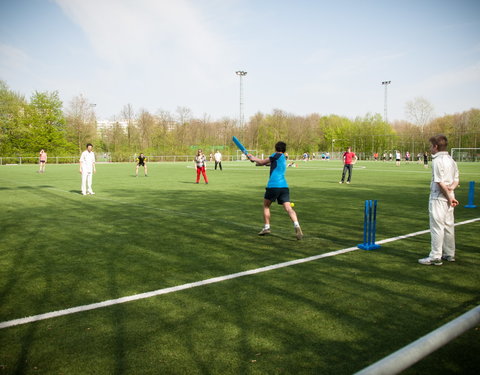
(385,83)
(241,74)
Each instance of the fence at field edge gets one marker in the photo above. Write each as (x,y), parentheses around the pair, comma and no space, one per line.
(4,160)
(419,349)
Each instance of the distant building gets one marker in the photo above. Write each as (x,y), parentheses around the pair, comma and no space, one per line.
(107,124)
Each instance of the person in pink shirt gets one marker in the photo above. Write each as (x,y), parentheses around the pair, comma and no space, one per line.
(43,161)
(349,158)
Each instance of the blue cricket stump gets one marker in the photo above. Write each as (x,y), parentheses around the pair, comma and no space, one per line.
(471,194)
(369,226)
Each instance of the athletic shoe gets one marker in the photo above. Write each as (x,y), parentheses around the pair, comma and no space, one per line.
(264,231)
(348,182)
(298,233)
(429,261)
(448,258)
(91,193)
(340,182)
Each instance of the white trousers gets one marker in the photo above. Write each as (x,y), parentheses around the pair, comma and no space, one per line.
(86,182)
(442,229)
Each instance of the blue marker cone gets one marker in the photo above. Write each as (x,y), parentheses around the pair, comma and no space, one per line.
(471,194)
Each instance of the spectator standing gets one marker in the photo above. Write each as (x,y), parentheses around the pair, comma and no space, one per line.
(201,164)
(42,161)
(87,169)
(218,160)
(445,179)
(349,158)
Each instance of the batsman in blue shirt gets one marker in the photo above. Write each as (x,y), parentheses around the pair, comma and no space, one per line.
(277,188)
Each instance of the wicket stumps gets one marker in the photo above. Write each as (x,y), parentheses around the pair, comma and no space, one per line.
(471,194)
(369,226)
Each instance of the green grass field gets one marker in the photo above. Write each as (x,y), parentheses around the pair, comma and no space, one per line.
(335,315)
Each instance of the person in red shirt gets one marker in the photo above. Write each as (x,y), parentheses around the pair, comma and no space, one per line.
(349,158)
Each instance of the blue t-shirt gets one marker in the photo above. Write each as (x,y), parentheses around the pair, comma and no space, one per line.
(278,166)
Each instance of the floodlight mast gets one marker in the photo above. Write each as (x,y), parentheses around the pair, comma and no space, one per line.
(385,83)
(241,74)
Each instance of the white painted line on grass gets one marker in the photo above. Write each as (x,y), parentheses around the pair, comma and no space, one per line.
(135,297)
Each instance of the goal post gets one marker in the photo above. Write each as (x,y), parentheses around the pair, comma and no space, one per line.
(466,154)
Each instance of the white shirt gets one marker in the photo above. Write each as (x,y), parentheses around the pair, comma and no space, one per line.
(218,157)
(87,160)
(444,169)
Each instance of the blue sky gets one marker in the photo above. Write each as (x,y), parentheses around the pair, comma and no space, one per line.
(301,56)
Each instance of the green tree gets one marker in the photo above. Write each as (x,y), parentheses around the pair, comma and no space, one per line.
(46,124)
(12,121)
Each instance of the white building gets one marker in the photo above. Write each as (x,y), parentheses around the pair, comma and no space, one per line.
(107,124)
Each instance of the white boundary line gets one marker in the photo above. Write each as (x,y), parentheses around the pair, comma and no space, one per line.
(136,297)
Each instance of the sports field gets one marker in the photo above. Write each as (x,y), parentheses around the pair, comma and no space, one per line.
(332,315)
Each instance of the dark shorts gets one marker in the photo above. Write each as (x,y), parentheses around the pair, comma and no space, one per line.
(141,165)
(281,195)
(42,161)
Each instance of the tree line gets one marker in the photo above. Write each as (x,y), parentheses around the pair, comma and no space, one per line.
(42,122)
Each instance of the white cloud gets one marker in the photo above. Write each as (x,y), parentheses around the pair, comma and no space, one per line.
(454,78)
(160,35)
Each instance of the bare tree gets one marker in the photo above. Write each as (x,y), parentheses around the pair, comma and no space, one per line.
(184,115)
(146,127)
(419,111)
(81,123)
(128,115)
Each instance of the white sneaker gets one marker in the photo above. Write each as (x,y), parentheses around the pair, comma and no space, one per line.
(430,261)
(91,193)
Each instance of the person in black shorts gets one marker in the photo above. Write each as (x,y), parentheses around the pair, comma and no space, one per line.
(141,162)
(277,188)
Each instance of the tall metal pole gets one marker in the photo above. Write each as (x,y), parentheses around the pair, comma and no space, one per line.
(386,83)
(241,74)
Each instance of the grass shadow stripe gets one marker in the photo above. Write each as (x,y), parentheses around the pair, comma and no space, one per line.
(136,297)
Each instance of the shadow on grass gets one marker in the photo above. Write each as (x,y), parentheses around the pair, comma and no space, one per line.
(323,317)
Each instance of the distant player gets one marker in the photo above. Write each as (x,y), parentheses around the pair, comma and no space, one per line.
(42,161)
(141,162)
(349,158)
(277,188)
(398,158)
(218,159)
(87,169)
(201,164)
(425,160)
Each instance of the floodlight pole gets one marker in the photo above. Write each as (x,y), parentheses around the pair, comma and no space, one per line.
(385,83)
(241,74)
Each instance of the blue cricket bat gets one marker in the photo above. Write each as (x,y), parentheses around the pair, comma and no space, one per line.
(239,145)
